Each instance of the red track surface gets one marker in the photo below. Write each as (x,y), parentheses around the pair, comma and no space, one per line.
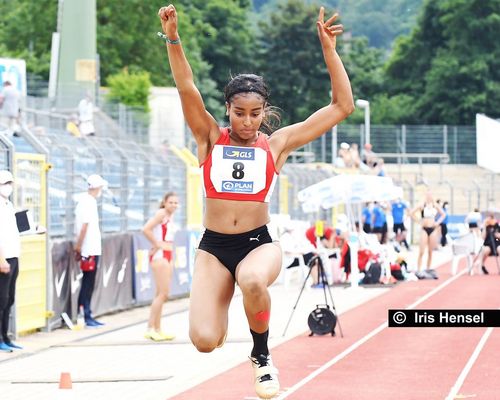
(394,363)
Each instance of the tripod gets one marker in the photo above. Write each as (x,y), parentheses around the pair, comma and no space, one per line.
(324,281)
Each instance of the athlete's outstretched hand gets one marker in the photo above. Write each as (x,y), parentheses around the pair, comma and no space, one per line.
(168,18)
(328,32)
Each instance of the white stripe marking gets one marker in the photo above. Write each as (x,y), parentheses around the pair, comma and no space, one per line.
(461,378)
(364,339)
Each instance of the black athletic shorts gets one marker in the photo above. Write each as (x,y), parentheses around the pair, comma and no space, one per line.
(230,249)
(399,228)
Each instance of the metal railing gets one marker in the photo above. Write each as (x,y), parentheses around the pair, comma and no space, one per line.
(405,158)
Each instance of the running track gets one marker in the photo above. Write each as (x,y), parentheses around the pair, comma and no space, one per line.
(373,361)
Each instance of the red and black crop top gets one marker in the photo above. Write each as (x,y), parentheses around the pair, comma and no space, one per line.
(238,172)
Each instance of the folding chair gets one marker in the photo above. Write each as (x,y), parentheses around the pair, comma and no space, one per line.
(465,245)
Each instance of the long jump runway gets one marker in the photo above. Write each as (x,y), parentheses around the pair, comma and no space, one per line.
(373,361)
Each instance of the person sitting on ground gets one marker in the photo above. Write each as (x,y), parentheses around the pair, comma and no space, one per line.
(72,126)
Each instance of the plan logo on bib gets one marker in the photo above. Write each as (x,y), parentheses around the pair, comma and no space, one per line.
(237,187)
(238,153)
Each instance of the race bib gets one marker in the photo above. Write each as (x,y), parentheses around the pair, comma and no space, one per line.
(238,169)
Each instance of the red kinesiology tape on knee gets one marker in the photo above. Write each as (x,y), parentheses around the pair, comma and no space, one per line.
(263,316)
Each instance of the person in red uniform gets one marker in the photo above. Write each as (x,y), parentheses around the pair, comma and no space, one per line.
(240,164)
(327,240)
(159,230)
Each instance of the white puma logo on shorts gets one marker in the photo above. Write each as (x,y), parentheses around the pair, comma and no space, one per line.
(255,238)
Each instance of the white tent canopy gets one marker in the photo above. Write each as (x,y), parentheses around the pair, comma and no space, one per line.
(349,189)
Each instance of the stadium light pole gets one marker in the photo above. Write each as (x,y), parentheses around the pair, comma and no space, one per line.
(365,104)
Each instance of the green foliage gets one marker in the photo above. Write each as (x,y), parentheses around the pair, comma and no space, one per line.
(450,64)
(381,21)
(131,89)
(292,61)
(26,32)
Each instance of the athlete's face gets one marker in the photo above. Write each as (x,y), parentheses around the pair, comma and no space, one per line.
(171,204)
(246,112)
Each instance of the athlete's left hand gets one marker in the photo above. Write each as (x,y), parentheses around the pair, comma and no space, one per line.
(327,32)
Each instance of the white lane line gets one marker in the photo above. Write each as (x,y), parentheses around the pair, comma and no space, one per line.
(364,339)
(470,363)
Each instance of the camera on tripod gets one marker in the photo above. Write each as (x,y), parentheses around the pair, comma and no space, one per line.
(323,319)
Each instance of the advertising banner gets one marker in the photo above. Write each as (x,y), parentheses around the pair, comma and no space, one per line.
(113,285)
(14,71)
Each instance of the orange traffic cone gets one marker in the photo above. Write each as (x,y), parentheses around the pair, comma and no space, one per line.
(65,381)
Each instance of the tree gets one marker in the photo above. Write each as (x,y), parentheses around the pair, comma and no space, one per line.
(26,32)
(131,89)
(450,64)
(292,60)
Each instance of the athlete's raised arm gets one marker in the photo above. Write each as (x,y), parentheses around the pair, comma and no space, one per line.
(294,136)
(197,117)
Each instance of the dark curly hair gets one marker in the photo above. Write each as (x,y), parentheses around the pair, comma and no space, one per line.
(250,83)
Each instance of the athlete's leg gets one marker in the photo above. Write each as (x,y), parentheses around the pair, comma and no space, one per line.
(421,247)
(211,294)
(258,270)
(162,272)
(432,241)
(254,274)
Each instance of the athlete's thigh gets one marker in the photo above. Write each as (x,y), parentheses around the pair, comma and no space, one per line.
(162,271)
(211,293)
(264,261)
(433,238)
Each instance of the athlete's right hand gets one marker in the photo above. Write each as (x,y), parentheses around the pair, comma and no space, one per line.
(168,18)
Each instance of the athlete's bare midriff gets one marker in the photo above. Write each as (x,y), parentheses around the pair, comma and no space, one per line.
(231,216)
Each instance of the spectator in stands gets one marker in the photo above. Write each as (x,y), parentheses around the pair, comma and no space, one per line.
(380,167)
(368,156)
(10,107)
(86,116)
(10,249)
(379,222)
(431,216)
(325,240)
(88,247)
(399,210)
(72,126)
(345,155)
(367,218)
(159,230)
(491,245)
(354,155)
(236,247)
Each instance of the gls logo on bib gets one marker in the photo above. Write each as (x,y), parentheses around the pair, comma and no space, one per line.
(238,153)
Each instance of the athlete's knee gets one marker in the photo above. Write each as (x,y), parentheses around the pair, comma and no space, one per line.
(253,285)
(204,340)
(162,296)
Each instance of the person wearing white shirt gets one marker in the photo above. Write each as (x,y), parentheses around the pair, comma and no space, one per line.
(10,249)
(88,246)
(86,116)
(10,104)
